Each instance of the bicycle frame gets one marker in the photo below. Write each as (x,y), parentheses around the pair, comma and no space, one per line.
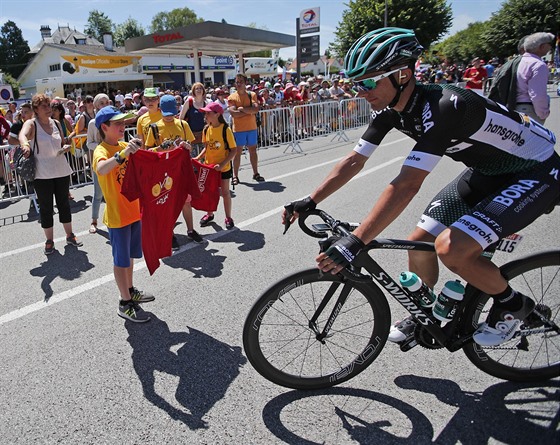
(443,335)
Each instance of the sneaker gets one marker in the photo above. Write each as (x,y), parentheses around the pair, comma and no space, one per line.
(73,241)
(229,223)
(502,324)
(139,296)
(402,330)
(133,312)
(206,219)
(194,236)
(49,247)
(174,244)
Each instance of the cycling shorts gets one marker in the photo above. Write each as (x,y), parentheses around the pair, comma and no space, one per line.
(488,208)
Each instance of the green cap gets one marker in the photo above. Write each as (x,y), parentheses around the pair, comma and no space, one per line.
(150,92)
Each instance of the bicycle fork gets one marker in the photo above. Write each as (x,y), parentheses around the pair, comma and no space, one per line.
(320,336)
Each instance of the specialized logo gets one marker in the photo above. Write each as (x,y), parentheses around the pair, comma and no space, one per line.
(434,205)
(554,173)
(453,99)
(505,133)
(426,117)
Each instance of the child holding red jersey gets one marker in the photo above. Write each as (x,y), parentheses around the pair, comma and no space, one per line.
(219,150)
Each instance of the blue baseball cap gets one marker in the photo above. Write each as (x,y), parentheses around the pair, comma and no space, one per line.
(110,113)
(168,105)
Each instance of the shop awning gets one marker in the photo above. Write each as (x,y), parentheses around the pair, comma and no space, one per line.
(210,38)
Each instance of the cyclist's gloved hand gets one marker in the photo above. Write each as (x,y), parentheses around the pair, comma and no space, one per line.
(301,206)
(344,250)
(304,205)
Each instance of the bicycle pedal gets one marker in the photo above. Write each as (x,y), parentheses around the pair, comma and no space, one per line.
(408,344)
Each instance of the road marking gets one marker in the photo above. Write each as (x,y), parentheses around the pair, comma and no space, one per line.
(34,307)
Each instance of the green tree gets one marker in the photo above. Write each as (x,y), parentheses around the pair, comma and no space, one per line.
(128,29)
(8,78)
(13,49)
(518,18)
(98,24)
(463,45)
(176,18)
(430,19)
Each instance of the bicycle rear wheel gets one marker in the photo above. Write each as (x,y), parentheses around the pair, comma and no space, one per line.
(535,356)
(283,346)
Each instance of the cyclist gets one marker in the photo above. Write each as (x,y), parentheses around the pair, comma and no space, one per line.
(512,177)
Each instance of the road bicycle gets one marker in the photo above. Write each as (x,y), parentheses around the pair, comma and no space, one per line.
(313,330)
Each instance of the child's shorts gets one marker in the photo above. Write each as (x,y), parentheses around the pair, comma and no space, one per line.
(126,243)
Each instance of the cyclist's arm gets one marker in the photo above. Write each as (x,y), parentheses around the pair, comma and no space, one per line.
(345,170)
(351,165)
(393,200)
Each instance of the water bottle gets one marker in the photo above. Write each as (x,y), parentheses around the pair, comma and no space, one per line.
(419,290)
(447,301)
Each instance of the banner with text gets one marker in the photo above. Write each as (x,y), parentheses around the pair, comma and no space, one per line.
(73,66)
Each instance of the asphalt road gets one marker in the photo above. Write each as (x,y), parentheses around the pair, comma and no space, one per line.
(73,372)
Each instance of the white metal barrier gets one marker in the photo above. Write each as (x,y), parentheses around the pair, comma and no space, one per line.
(279,126)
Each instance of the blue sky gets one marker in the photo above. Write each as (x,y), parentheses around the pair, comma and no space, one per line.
(278,15)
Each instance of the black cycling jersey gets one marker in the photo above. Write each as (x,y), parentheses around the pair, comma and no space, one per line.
(452,121)
(514,174)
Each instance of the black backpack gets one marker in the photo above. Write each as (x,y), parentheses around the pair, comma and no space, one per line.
(504,84)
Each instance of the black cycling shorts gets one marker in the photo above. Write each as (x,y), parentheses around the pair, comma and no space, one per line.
(488,208)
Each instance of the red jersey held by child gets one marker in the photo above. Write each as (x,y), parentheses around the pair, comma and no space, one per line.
(208,182)
(162,181)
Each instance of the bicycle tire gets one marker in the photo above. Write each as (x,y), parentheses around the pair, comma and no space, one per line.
(537,276)
(282,347)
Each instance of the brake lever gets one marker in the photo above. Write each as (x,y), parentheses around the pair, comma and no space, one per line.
(289,213)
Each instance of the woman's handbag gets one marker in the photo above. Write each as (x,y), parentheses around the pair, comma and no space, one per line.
(25,167)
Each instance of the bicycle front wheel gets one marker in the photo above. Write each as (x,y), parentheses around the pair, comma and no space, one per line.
(282,334)
(535,355)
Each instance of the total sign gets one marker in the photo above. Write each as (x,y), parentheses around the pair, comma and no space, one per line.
(309,20)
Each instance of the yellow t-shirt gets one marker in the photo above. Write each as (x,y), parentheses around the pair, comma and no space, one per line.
(144,121)
(244,122)
(216,151)
(169,130)
(119,211)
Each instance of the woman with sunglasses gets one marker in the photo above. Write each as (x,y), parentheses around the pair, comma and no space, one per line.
(503,150)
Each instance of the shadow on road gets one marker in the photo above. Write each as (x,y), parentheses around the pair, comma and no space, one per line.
(68,266)
(205,367)
(505,412)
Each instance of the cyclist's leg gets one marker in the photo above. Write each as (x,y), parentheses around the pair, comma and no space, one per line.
(445,208)
(516,203)
(423,264)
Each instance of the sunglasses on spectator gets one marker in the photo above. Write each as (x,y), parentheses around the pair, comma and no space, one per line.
(371,82)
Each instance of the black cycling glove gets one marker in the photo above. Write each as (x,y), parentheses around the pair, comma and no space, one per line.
(344,250)
(304,205)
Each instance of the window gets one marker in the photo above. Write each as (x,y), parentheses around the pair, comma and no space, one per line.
(55,67)
(80,41)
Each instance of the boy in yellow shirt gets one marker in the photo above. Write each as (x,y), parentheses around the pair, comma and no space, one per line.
(121,216)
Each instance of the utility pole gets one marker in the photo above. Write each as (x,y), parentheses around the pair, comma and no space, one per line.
(385,22)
